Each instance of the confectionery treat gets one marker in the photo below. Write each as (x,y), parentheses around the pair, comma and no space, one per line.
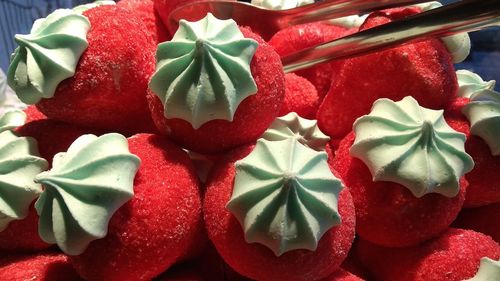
(454,256)
(422,70)
(281,4)
(33,114)
(299,37)
(216,86)
(43,266)
(145,10)
(342,275)
(301,97)
(165,7)
(390,164)
(95,73)
(481,219)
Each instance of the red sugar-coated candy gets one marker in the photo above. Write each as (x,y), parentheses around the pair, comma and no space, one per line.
(387,213)
(303,36)
(22,235)
(158,226)
(342,275)
(454,256)
(145,10)
(33,114)
(44,266)
(423,70)
(300,97)
(257,261)
(252,118)
(481,219)
(484,181)
(353,265)
(165,7)
(108,90)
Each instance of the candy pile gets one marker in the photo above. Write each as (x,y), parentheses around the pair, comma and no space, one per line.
(147,155)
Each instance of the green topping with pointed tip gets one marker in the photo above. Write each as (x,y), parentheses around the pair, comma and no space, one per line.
(48,55)
(19,164)
(469,83)
(82,191)
(293,126)
(11,120)
(204,73)
(489,270)
(285,196)
(405,143)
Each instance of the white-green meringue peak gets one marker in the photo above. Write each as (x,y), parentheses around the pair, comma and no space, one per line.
(19,164)
(84,7)
(285,196)
(470,83)
(483,112)
(11,120)
(293,126)
(48,55)
(281,4)
(489,270)
(84,188)
(204,73)
(405,143)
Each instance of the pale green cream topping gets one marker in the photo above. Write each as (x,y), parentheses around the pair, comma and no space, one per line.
(281,4)
(11,120)
(470,83)
(204,73)
(85,187)
(405,143)
(489,270)
(285,196)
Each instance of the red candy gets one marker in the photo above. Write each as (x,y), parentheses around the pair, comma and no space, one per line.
(423,70)
(22,235)
(255,260)
(342,275)
(253,116)
(300,97)
(159,226)
(482,219)
(387,213)
(454,256)
(108,90)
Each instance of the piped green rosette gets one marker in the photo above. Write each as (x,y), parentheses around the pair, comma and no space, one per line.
(405,143)
(82,8)
(285,196)
(84,188)
(293,126)
(470,83)
(204,73)
(483,112)
(489,270)
(48,55)
(11,120)
(20,162)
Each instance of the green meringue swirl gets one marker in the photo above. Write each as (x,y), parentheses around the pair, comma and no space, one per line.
(11,120)
(411,145)
(285,196)
(84,7)
(204,73)
(293,126)
(470,83)
(83,190)
(483,112)
(19,164)
(489,270)
(48,55)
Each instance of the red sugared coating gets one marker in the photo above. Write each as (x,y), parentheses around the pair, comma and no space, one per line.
(145,10)
(423,70)
(33,114)
(22,235)
(303,36)
(342,275)
(252,118)
(387,213)
(484,181)
(157,227)
(108,90)
(165,7)
(300,97)
(353,265)
(257,261)
(482,219)
(454,256)
(44,266)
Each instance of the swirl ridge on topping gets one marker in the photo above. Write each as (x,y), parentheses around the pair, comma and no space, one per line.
(19,164)
(285,196)
(204,73)
(414,146)
(48,55)
(470,83)
(85,187)
(304,130)
(11,120)
(483,112)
